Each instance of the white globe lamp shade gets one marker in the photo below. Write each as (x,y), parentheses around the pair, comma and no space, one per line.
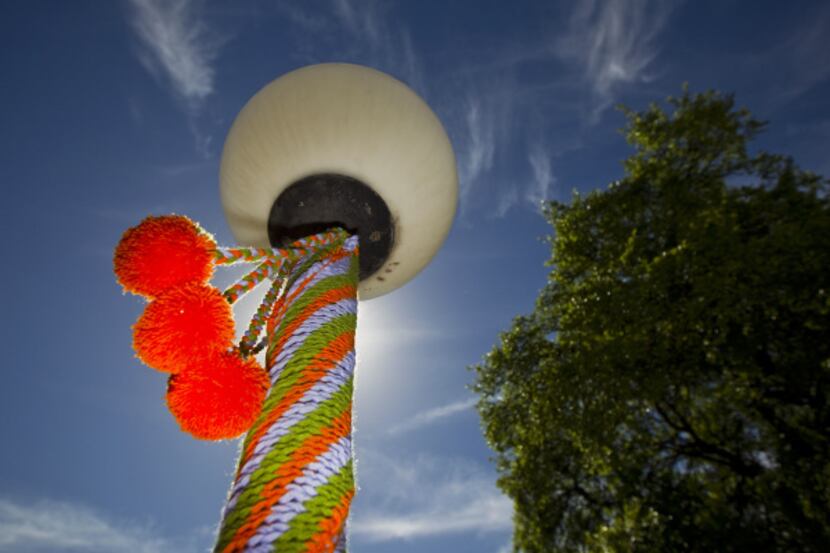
(346,145)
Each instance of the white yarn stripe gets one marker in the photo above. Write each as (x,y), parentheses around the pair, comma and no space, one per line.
(322,390)
(305,487)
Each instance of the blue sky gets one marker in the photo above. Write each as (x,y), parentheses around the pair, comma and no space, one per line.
(113,110)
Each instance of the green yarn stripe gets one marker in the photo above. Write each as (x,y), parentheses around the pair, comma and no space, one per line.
(309,437)
(294,369)
(310,296)
(312,425)
(305,525)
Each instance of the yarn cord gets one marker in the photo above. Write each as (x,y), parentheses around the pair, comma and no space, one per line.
(295,478)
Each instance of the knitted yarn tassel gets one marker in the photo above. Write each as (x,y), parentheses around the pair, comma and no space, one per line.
(295,479)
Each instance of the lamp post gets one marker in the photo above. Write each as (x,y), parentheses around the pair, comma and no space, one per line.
(340,183)
(332,145)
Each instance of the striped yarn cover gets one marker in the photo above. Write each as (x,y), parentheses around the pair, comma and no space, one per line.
(295,478)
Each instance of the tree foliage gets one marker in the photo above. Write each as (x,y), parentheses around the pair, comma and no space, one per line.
(670,390)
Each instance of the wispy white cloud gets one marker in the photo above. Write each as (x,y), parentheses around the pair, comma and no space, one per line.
(363,31)
(305,20)
(431,416)
(543,178)
(614,42)
(360,19)
(508,198)
(489,135)
(410,62)
(59,526)
(385,43)
(483,136)
(479,512)
(427,496)
(479,148)
(176,44)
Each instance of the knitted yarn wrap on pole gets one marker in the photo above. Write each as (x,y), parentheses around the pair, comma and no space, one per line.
(295,480)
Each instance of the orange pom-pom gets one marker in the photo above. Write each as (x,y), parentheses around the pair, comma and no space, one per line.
(163,252)
(183,325)
(219,398)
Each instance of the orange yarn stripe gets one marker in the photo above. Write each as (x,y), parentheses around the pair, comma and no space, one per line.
(259,427)
(314,371)
(284,302)
(324,540)
(282,305)
(311,448)
(279,309)
(329,297)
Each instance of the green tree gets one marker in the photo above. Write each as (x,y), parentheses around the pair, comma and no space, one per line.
(670,390)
